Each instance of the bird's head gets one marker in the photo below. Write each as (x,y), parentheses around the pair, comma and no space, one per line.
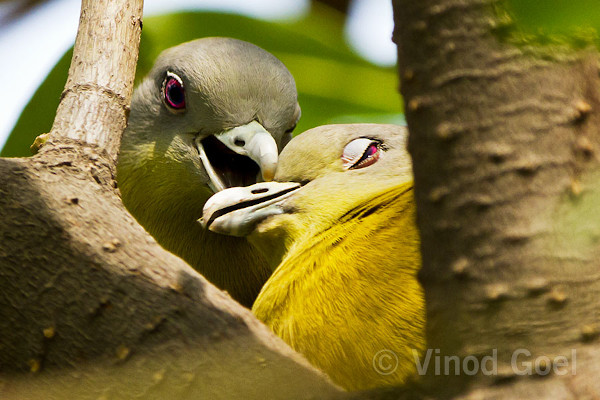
(211,114)
(322,174)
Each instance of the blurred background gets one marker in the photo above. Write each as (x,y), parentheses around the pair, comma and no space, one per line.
(339,51)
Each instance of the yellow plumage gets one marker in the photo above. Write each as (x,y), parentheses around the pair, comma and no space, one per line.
(345,291)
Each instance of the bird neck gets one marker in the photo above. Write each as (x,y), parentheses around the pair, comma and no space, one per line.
(230,263)
(167,202)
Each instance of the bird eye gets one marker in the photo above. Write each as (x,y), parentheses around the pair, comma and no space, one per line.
(361,153)
(173,93)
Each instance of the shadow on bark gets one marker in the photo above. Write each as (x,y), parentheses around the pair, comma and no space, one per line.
(92,306)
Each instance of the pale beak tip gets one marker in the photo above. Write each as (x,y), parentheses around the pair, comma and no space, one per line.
(268,175)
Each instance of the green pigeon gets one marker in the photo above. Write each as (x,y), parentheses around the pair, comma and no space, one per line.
(338,225)
(211,114)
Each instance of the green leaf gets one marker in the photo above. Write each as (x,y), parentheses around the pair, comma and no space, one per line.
(557,15)
(38,115)
(550,23)
(333,82)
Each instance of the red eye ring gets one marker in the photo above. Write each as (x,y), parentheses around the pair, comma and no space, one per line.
(361,152)
(173,93)
(370,156)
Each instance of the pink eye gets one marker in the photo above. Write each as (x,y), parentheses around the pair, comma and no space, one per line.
(361,153)
(370,156)
(173,92)
(371,150)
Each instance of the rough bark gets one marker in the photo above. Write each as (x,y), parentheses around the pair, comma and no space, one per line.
(90,305)
(505,142)
(93,305)
(95,102)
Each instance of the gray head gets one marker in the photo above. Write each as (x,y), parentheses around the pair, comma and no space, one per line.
(223,106)
(212,113)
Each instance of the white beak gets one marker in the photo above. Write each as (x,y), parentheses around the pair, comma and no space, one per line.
(236,211)
(251,140)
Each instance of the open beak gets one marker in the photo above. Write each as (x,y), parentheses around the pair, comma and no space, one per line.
(237,156)
(237,211)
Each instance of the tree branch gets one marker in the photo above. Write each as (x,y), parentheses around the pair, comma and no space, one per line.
(95,102)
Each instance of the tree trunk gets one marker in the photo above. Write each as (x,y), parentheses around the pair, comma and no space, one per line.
(91,306)
(505,142)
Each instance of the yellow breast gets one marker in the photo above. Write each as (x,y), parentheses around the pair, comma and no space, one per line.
(347,297)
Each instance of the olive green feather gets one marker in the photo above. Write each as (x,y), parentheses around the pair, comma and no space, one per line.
(229,88)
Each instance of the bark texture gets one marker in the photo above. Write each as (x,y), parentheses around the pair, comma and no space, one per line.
(505,143)
(95,101)
(91,307)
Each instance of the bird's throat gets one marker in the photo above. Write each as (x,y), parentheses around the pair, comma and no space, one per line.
(231,169)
